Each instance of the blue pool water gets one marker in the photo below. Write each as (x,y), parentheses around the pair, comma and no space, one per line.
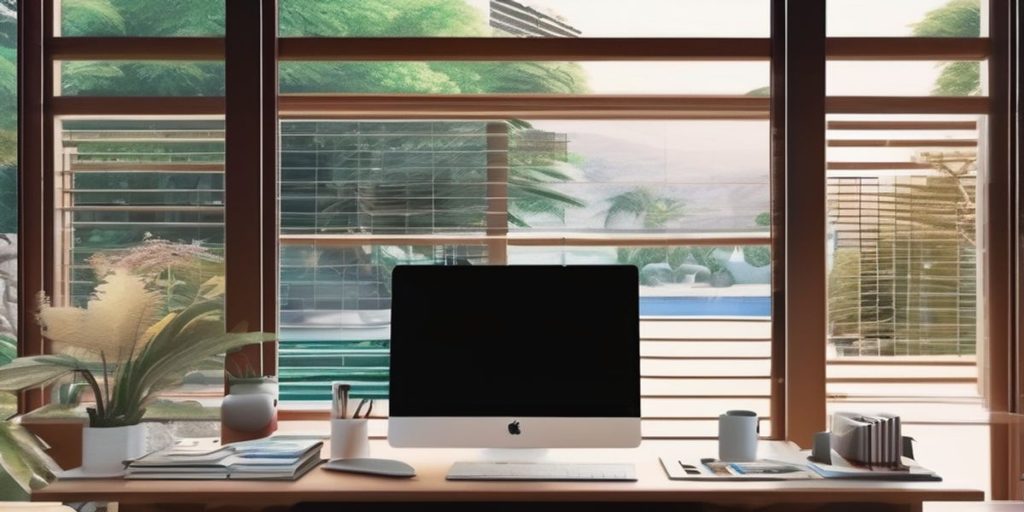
(705,306)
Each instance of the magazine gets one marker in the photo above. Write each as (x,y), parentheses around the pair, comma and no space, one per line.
(712,469)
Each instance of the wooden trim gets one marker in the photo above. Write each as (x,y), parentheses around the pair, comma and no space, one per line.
(999,264)
(601,240)
(78,167)
(902,143)
(777,121)
(805,228)
(243,175)
(143,208)
(907,48)
(902,125)
(901,380)
(526,240)
(876,166)
(521,48)
(497,192)
(102,106)
(271,175)
(30,184)
(532,106)
(137,48)
(907,105)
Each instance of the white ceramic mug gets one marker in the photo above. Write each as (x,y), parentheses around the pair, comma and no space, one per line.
(737,436)
(350,439)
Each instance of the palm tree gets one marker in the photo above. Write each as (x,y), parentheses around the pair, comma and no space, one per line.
(653,211)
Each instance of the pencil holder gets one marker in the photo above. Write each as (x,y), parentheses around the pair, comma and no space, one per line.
(350,439)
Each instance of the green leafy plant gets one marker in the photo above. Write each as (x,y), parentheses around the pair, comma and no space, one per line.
(24,465)
(123,349)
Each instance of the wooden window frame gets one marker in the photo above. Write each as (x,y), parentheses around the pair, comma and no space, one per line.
(41,48)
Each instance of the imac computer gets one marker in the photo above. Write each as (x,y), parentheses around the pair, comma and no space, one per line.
(531,356)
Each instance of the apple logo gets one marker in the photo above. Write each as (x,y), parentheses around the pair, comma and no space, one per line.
(513,428)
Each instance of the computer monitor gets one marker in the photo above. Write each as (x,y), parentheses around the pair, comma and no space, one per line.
(515,356)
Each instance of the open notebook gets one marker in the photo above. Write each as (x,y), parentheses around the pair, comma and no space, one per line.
(273,458)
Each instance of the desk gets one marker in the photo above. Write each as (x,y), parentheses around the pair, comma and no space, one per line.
(430,486)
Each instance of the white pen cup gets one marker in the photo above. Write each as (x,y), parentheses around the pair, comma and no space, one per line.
(350,439)
(737,436)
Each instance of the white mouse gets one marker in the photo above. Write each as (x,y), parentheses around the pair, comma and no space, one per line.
(381,467)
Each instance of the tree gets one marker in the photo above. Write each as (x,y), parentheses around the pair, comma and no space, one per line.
(651,211)
(641,204)
(958,18)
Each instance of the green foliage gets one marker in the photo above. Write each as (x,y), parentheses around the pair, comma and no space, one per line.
(643,205)
(761,91)
(91,17)
(959,79)
(8,349)
(756,255)
(957,18)
(24,465)
(8,195)
(176,344)
(705,256)
(370,18)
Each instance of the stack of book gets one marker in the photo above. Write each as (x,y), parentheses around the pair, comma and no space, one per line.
(273,458)
(869,439)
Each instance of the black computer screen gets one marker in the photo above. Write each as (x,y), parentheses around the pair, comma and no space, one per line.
(540,341)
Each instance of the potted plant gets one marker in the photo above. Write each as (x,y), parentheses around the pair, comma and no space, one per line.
(127,350)
(720,276)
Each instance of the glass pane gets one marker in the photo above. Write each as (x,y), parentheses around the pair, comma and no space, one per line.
(920,18)
(530,18)
(336,312)
(8,194)
(904,238)
(387,177)
(905,78)
(645,176)
(144,18)
(604,77)
(145,197)
(141,78)
(678,281)
(358,197)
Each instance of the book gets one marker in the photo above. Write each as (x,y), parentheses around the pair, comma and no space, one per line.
(841,469)
(871,439)
(760,470)
(273,458)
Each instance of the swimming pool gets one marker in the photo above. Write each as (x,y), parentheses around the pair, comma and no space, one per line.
(705,306)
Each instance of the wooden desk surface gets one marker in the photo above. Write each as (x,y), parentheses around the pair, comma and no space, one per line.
(430,484)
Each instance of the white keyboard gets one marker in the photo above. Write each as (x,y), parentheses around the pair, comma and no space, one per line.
(540,471)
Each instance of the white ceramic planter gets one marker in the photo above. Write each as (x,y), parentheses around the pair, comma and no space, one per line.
(104,450)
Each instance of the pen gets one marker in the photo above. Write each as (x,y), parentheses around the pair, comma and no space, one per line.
(339,405)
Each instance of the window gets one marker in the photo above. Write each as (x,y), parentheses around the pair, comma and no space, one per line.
(529,162)
(908,310)
(570,131)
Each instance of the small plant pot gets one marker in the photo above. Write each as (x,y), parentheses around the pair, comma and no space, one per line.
(350,439)
(105,449)
(247,416)
(721,280)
